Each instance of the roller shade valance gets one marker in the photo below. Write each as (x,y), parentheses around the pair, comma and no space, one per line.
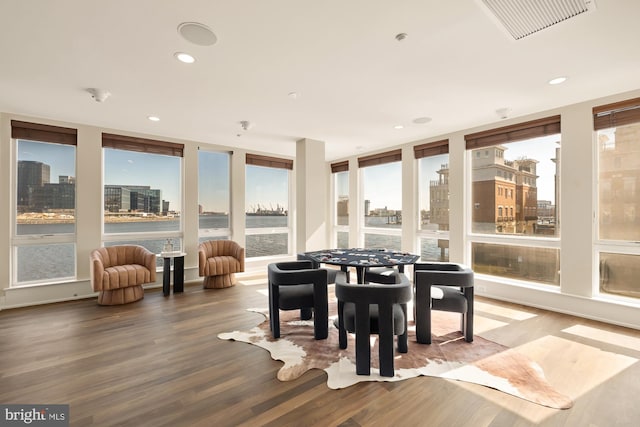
(270,162)
(513,133)
(616,114)
(44,133)
(143,145)
(431,149)
(340,166)
(379,159)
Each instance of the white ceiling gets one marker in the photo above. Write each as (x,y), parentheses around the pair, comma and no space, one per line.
(354,80)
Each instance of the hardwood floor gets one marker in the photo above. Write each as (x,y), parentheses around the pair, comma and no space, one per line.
(158,362)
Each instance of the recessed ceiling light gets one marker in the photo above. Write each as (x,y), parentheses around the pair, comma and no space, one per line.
(557,80)
(398,127)
(154,118)
(293,95)
(401,36)
(197,33)
(184,57)
(422,120)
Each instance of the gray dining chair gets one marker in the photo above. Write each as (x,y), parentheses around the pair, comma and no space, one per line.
(331,272)
(455,281)
(374,308)
(297,285)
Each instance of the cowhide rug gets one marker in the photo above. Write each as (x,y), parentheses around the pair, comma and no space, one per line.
(481,362)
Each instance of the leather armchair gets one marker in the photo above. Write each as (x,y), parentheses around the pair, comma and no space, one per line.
(218,261)
(118,273)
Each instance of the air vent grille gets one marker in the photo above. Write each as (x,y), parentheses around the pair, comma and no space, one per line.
(522,18)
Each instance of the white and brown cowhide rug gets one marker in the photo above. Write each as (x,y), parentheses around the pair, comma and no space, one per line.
(449,356)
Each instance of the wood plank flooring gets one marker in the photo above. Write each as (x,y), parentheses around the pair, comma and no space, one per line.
(158,362)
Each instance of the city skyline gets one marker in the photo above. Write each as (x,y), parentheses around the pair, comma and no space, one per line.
(266,187)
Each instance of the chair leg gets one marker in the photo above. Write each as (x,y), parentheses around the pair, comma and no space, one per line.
(423,314)
(403,345)
(305,313)
(342,333)
(363,331)
(385,338)
(468,316)
(274,311)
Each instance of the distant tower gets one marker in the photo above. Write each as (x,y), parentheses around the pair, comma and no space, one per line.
(367,207)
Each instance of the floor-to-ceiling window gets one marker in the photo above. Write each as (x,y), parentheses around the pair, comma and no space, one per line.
(44,229)
(340,173)
(214,191)
(433,203)
(268,228)
(618,197)
(381,180)
(514,203)
(142,192)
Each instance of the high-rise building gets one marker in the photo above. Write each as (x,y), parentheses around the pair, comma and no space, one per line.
(31,175)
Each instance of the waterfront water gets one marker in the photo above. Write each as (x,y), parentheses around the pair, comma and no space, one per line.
(57,261)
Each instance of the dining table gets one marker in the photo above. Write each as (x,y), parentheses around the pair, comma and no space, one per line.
(362,259)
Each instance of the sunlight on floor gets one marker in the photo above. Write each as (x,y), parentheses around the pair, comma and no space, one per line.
(613,338)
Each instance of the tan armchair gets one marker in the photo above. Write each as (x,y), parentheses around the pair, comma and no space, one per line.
(218,261)
(118,273)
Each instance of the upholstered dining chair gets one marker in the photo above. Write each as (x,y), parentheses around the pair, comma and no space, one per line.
(297,285)
(374,308)
(331,272)
(455,285)
(118,273)
(382,274)
(218,261)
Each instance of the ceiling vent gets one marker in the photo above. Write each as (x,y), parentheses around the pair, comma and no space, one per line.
(522,18)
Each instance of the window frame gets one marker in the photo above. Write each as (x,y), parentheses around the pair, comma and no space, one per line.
(217,233)
(610,116)
(394,156)
(486,139)
(430,149)
(145,146)
(277,163)
(45,134)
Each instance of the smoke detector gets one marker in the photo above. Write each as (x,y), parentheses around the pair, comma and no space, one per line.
(246,125)
(99,95)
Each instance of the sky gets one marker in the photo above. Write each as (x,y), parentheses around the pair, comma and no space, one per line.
(266,187)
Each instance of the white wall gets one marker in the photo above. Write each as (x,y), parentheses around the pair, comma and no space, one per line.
(89,193)
(577,282)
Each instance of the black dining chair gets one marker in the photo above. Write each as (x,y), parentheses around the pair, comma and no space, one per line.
(382,274)
(374,308)
(297,285)
(455,281)
(331,272)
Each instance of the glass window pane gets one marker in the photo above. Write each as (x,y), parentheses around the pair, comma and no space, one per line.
(515,188)
(342,198)
(434,192)
(142,192)
(619,274)
(46,188)
(382,241)
(45,262)
(434,250)
(528,263)
(619,183)
(267,244)
(383,195)
(213,190)
(343,239)
(267,197)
